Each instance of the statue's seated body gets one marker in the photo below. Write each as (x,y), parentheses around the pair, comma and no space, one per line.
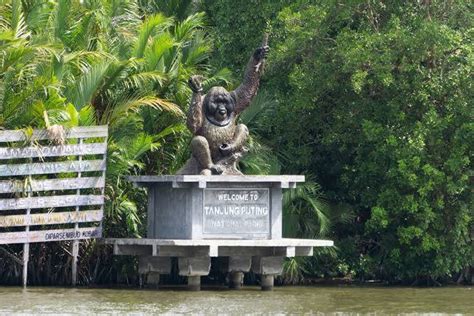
(218,141)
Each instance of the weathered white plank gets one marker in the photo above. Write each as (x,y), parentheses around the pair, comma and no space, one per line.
(50,235)
(41,134)
(51,218)
(50,201)
(14,186)
(51,167)
(53,151)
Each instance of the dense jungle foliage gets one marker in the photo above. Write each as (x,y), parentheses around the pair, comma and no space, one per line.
(371,100)
(375,100)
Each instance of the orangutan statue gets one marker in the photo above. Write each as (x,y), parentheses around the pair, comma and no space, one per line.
(218,141)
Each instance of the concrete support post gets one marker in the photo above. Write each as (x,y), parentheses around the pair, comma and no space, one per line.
(194,282)
(150,268)
(194,268)
(267,265)
(236,267)
(75,255)
(266,282)
(153,279)
(267,268)
(236,280)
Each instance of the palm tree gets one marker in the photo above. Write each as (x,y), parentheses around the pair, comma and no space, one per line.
(104,62)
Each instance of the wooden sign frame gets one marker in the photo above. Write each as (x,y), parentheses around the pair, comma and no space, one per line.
(52,192)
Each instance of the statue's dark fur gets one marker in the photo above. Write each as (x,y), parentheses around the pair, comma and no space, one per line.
(218,141)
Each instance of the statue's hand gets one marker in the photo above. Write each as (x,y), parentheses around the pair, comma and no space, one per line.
(226,149)
(195,83)
(261,53)
(216,169)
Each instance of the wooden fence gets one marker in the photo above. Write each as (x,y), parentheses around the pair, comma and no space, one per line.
(51,192)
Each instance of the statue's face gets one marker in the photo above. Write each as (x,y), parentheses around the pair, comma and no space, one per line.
(219,106)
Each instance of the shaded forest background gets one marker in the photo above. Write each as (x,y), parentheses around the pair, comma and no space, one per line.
(371,100)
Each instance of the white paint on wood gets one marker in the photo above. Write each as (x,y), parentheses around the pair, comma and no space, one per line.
(29,185)
(50,201)
(51,218)
(51,167)
(53,151)
(42,134)
(50,235)
(16,186)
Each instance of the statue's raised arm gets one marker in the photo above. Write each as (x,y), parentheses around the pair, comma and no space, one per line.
(248,88)
(194,118)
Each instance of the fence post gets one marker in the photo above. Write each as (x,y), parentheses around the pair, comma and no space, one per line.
(75,243)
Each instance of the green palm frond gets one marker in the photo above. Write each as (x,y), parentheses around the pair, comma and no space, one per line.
(87,87)
(87,116)
(308,209)
(293,269)
(170,130)
(142,79)
(178,8)
(184,30)
(127,211)
(155,21)
(260,159)
(342,213)
(129,104)
(95,80)
(67,66)
(197,51)
(60,19)
(162,43)
(261,103)
(138,145)
(38,14)
(223,77)
(17,22)
(127,127)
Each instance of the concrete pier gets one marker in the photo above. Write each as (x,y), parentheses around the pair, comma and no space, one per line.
(263,257)
(215,207)
(236,218)
(266,282)
(236,280)
(194,283)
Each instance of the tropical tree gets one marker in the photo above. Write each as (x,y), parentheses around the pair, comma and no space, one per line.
(73,63)
(376,104)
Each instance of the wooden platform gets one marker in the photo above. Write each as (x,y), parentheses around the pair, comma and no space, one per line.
(237,220)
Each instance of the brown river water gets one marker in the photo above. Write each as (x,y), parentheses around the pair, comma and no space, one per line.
(343,300)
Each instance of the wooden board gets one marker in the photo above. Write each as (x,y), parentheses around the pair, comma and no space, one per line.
(50,201)
(78,149)
(51,167)
(15,186)
(53,151)
(51,218)
(50,235)
(75,132)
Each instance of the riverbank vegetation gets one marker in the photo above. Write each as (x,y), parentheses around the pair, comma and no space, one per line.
(372,101)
